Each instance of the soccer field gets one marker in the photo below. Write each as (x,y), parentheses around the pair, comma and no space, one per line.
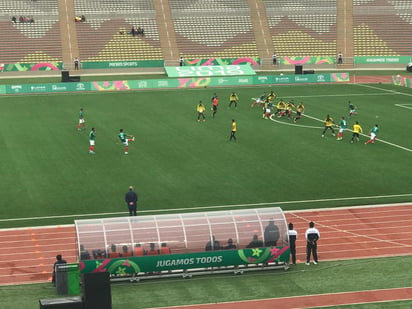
(177,164)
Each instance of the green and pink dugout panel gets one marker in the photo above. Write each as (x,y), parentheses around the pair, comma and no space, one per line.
(187,235)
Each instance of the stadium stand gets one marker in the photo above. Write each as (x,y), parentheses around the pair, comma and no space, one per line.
(382,28)
(37,41)
(206,29)
(105,34)
(303,27)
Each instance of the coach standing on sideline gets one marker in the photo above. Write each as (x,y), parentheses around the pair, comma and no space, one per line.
(131,200)
(312,235)
(293,235)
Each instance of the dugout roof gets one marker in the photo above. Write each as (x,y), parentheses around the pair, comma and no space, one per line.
(183,233)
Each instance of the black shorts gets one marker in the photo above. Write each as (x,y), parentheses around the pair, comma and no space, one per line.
(214,107)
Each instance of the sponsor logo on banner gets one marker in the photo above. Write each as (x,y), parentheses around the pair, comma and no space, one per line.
(243,80)
(163,83)
(59,88)
(142,84)
(222,81)
(80,87)
(282,79)
(41,88)
(321,78)
(17,88)
(301,79)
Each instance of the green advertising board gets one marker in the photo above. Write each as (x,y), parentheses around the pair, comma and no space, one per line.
(382,60)
(156,263)
(183,82)
(122,64)
(210,70)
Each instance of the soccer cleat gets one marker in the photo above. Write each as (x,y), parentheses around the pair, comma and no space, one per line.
(333,134)
(92,152)
(323,135)
(307,263)
(126,152)
(316,263)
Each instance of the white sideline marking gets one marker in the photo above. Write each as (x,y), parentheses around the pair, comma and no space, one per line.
(404,106)
(93,215)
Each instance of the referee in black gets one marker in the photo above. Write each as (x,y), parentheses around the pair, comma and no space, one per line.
(312,235)
(293,235)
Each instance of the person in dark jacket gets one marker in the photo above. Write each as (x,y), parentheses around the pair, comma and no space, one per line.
(131,200)
(271,234)
(59,260)
(255,243)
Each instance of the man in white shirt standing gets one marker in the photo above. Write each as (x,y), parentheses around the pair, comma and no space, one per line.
(312,236)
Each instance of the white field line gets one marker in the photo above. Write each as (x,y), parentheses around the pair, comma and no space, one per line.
(404,106)
(217,207)
(320,120)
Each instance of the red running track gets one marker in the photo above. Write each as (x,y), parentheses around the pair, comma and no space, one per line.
(27,254)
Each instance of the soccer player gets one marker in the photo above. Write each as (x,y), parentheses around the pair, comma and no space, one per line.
(215,103)
(260,100)
(81,120)
(267,110)
(280,108)
(299,110)
(271,96)
(373,132)
(357,129)
(233,132)
(289,109)
(342,128)
(125,139)
(92,136)
(328,125)
(233,99)
(352,109)
(200,112)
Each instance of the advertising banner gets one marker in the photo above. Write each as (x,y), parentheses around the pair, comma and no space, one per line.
(403,81)
(221,61)
(306,60)
(122,64)
(154,263)
(22,67)
(382,60)
(183,82)
(210,70)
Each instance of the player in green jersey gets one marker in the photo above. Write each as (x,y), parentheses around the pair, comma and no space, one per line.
(92,136)
(373,132)
(81,120)
(125,139)
(352,109)
(342,127)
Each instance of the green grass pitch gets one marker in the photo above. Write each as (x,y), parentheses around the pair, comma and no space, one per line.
(178,164)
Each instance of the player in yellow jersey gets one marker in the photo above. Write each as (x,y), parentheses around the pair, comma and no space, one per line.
(233,99)
(271,96)
(233,132)
(328,125)
(299,110)
(289,109)
(280,108)
(357,129)
(200,112)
